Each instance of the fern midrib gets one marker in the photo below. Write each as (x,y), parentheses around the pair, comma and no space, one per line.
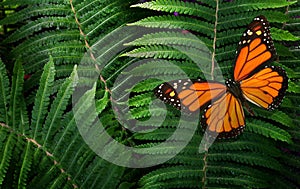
(214,41)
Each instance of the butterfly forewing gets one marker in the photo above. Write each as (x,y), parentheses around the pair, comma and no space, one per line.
(189,95)
(255,49)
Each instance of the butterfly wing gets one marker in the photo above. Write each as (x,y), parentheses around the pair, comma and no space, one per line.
(224,116)
(189,95)
(266,88)
(255,49)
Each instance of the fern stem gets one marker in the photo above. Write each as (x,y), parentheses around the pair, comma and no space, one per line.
(204,169)
(215,40)
(286,12)
(87,45)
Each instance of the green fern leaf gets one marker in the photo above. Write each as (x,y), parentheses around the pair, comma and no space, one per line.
(37,25)
(4,93)
(102,103)
(247,158)
(277,116)
(243,5)
(173,22)
(45,9)
(172,38)
(42,98)
(180,7)
(168,173)
(269,130)
(141,100)
(6,148)
(16,95)
(283,35)
(293,87)
(58,107)
(26,165)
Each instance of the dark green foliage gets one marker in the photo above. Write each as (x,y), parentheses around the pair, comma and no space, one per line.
(41,145)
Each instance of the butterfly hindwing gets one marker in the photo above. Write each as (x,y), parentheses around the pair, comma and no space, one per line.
(255,49)
(190,95)
(266,88)
(224,116)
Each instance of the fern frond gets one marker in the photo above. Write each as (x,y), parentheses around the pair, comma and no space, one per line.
(172,22)
(102,103)
(42,98)
(16,95)
(141,100)
(163,174)
(26,164)
(4,93)
(277,116)
(27,2)
(269,130)
(172,38)
(293,87)
(247,143)
(146,85)
(35,10)
(58,107)
(161,134)
(156,52)
(181,7)
(35,26)
(167,69)
(240,181)
(243,6)
(247,158)
(243,18)
(283,35)
(6,148)
(45,38)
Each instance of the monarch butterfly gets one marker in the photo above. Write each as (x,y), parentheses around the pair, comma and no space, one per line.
(254,80)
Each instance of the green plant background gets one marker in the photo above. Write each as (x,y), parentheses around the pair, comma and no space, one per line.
(44,40)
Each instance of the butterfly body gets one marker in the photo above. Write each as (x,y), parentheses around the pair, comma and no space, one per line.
(235,88)
(254,80)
